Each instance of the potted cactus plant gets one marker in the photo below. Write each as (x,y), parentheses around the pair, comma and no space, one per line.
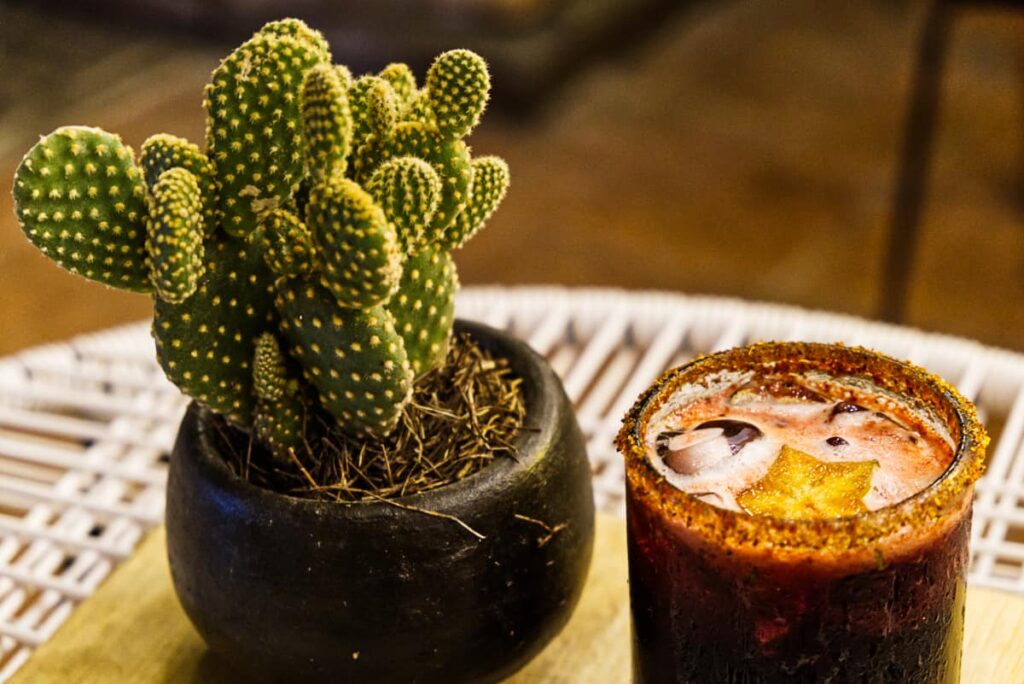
(304,295)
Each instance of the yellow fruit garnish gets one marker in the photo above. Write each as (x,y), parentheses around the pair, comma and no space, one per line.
(800,486)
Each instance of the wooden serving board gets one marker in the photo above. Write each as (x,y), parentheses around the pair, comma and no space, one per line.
(132,630)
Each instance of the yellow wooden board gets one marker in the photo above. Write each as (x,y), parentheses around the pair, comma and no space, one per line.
(132,630)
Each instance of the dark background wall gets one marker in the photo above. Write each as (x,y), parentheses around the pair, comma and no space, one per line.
(738,148)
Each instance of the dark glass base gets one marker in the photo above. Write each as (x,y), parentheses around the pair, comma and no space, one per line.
(709,616)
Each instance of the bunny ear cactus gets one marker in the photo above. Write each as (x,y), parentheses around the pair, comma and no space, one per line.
(301,262)
(409,190)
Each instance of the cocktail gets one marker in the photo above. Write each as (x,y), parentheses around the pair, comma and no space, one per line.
(799,513)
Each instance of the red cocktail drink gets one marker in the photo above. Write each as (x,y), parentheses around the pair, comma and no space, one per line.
(799,513)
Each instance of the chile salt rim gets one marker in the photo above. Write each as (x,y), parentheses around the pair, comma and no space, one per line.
(925,390)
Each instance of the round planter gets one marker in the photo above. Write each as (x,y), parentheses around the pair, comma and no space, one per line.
(290,589)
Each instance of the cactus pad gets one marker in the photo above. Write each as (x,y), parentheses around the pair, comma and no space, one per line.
(286,243)
(424,307)
(354,357)
(419,110)
(175,236)
(357,247)
(361,95)
(402,81)
(254,133)
(408,190)
(280,411)
(383,109)
(80,199)
(344,75)
(450,160)
(326,121)
(205,345)
(458,87)
(312,39)
(162,152)
(490,183)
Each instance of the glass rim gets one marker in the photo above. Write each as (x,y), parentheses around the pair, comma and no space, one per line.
(924,508)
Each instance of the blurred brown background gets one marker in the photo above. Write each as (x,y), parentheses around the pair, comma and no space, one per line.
(739,148)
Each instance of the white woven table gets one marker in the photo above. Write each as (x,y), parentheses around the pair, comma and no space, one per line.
(86,427)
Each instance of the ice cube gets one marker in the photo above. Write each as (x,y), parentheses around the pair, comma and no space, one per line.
(691,452)
(737,432)
(706,445)
(684,440)
(783,390)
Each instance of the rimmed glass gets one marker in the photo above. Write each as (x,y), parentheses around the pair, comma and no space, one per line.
(723,596)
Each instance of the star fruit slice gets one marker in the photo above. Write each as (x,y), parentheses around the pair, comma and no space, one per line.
(799,486)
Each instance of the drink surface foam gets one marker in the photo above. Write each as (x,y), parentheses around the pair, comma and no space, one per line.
(719,442)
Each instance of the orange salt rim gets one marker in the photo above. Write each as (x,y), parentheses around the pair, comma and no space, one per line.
(922,391)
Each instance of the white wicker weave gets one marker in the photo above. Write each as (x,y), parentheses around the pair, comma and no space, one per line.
(86,426)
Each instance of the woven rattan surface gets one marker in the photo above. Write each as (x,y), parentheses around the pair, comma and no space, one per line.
(86,425)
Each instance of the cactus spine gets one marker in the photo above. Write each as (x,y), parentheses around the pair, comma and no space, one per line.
(301,262)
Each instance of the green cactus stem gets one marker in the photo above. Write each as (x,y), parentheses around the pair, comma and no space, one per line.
(205,344)
(354,357)
(162,152)
(279,420)
(311,39)
(450,159)
(175,237)
(80,199)
(254,133)
(361,96)
(344,75)
(357,247)
(419,109)
(402,82)
(383,105)
(424,307)
(490,183)
(409,190)
(286,244)
(326,121)
(458,87)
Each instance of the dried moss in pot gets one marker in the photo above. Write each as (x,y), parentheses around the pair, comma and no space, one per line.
(463,415)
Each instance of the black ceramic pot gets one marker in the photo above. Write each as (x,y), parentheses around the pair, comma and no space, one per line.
(290,589)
